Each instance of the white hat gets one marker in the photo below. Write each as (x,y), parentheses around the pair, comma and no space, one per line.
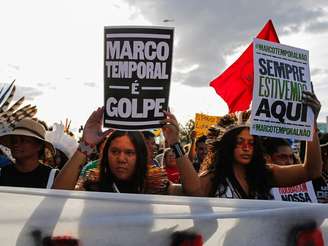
(25,127)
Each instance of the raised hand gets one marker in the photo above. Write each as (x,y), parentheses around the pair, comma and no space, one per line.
(92,133)
(311,100)
(170,128)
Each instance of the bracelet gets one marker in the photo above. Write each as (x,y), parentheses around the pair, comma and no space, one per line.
(177,150)
(86,148)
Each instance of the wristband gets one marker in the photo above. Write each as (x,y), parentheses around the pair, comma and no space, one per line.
(177,150)
(86,148)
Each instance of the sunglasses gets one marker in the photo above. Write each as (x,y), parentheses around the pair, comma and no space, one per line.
(243,143)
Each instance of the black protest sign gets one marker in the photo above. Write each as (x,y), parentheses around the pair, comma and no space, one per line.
(137,74)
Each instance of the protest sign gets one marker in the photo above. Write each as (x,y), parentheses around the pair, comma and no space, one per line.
(203,122)
(281,74)
(299,193)
(137,74)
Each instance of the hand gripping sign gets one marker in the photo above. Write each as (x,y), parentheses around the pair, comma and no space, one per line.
(137,74)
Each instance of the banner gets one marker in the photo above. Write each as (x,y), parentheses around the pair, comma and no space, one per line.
(32,217)
(203,122)
(137,74)
(298,193)
(281,74)
(235,84)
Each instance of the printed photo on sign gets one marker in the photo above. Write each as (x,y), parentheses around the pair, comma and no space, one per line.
(281,74)
(137,74)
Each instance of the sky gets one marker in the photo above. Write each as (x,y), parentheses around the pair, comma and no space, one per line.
(54,49)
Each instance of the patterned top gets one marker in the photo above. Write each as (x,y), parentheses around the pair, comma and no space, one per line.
(156,180)
(232,189)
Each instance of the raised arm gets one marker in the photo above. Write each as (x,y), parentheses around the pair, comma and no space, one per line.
(189,178)
(92,135)
(312,166)
(192,150)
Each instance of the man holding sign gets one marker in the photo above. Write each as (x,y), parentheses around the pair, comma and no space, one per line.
(280,152)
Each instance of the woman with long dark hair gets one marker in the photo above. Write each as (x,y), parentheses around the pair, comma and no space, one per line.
(240,170)
(123,164)
(115,175)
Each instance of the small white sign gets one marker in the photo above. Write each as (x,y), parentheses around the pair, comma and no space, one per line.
(299,193)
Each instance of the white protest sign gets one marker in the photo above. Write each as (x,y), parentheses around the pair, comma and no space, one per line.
(299,193)
(137,74)
(281,74)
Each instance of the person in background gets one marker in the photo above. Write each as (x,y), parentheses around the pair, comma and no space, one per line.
(151,145)
(169,163)
(159,157)
(279,151)
(207,163)
(198,150)
(321,184)
(27,144)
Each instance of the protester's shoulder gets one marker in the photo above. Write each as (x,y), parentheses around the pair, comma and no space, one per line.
(45,167)
(9,168)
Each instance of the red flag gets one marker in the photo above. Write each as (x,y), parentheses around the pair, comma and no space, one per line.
(235,84)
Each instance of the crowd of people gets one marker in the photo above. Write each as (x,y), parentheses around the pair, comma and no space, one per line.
(229,162)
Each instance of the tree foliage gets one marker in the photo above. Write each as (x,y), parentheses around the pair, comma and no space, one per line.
(186,130)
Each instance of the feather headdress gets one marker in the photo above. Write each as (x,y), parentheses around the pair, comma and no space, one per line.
(9,115)
(227,123)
